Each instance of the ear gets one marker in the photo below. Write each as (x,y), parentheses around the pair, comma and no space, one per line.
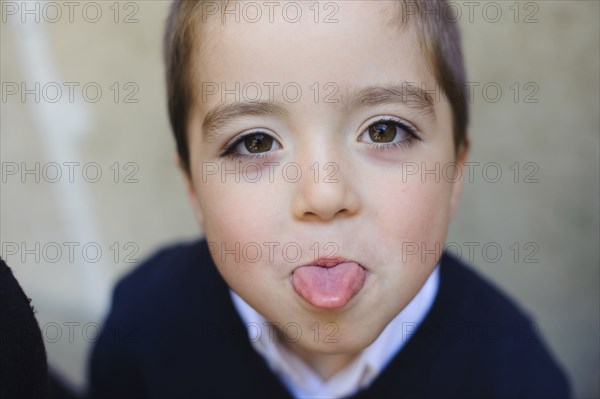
(461,157)
(192,196)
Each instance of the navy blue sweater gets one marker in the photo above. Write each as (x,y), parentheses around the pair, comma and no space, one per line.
(173,332)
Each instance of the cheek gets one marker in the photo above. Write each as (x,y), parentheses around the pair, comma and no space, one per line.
(240,218)
(231,229)
(412,211)
(226,212)
(412,226)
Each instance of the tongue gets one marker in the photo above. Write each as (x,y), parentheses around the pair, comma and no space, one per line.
(329,287)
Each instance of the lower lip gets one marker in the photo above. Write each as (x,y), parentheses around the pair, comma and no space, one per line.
(328,287)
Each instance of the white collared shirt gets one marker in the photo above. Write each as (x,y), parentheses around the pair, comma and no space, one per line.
(304,382)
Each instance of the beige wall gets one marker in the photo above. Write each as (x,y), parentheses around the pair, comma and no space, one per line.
(558,215)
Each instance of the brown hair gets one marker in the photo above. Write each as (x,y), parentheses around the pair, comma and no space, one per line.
(436,26)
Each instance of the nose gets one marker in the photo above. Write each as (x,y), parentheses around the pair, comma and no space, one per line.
(325,192)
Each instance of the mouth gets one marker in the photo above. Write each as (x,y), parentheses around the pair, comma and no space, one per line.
(329,283)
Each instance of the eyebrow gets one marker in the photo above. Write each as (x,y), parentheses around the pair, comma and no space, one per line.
(221,115)
(407,93)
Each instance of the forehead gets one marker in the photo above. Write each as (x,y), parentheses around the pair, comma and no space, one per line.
(351,43)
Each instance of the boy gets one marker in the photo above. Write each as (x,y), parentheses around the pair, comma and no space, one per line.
(299,126)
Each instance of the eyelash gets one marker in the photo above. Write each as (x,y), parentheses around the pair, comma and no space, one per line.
(228,151)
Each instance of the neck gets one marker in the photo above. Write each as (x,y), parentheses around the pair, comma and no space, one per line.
(324,364)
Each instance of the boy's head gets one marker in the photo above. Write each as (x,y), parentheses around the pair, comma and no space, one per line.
(320,130)
(434,21)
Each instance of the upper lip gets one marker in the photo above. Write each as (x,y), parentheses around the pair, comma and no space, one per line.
(329,261)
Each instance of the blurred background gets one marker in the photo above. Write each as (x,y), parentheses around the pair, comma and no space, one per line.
(90,187)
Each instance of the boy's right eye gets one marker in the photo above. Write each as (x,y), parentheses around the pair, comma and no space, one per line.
(251,145)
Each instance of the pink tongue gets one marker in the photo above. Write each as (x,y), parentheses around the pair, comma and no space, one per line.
(328,287)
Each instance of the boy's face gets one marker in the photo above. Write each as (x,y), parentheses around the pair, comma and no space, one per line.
(375,206)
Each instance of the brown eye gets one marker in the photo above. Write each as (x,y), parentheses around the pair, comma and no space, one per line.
(383,132)
(388,134)
(254,145)
(257,143)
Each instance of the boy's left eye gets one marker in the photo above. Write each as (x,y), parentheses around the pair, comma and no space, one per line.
(389,131)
